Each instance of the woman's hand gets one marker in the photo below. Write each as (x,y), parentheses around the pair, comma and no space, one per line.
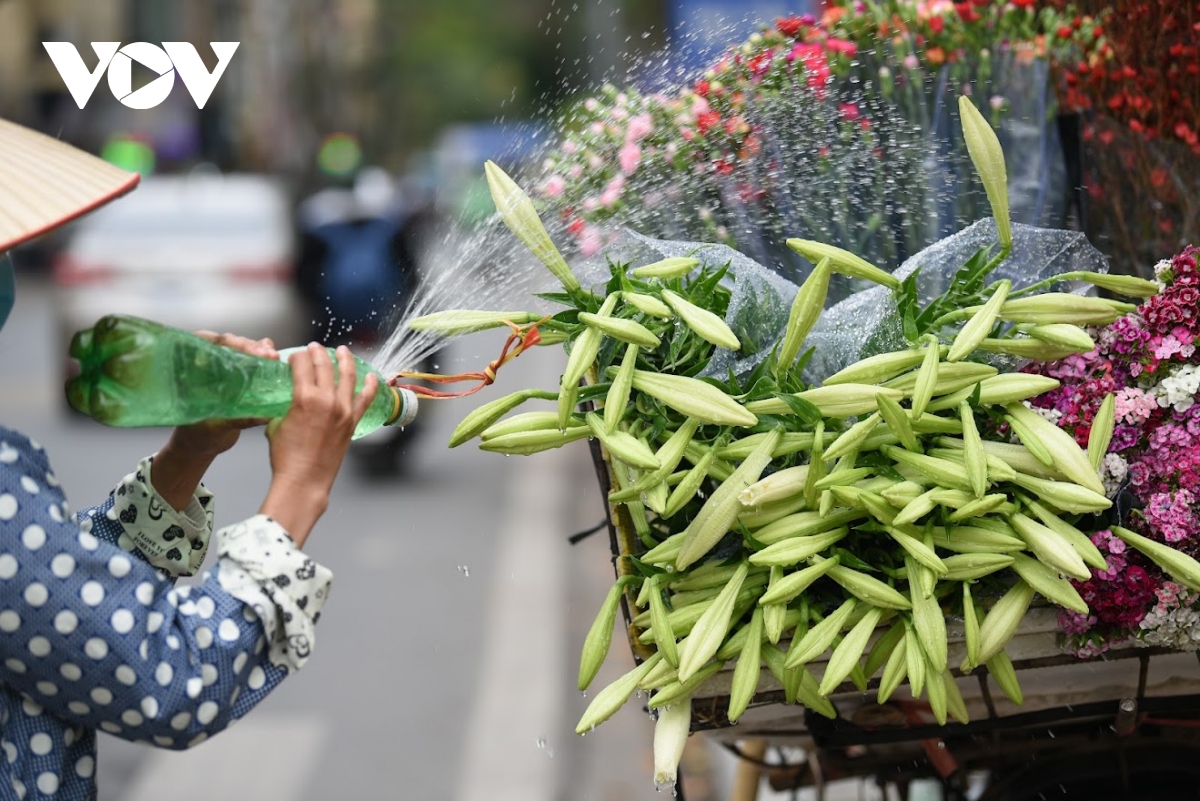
(182,462)
(309,443)
(210,438)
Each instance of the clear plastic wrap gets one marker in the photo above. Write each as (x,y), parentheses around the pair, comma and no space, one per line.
(868,321)
(758,307)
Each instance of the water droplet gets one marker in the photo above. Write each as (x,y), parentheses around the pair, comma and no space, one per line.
(466,571)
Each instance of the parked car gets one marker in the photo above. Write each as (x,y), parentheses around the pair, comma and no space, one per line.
(211,252)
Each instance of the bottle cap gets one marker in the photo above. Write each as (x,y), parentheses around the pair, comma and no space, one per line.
(406,407)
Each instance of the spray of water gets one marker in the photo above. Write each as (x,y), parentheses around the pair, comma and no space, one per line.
(857,162)
(484,269)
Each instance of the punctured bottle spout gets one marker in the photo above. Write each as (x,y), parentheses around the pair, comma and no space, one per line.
(405,406)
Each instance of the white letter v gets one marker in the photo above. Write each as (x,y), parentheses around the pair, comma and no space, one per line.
(196,77)
(74,72)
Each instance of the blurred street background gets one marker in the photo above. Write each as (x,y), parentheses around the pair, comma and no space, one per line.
(447,658)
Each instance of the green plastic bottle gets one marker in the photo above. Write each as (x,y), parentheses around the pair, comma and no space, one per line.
(136,373)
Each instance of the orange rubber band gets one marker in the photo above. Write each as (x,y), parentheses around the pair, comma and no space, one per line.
(520,340)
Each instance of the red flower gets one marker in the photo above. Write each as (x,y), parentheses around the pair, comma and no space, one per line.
(701,88)
(815,64)
(790,26)
(1064,31)
(1023,3)
(967,12)
(760,63)
(843,46)
(707,120)
(937,24)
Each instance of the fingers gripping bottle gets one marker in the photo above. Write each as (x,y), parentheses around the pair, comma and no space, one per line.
(136,373)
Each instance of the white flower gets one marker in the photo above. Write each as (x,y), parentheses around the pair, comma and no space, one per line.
(1173,623)
(1179,388)
(1052,415)
(1160,270)
(1112,473)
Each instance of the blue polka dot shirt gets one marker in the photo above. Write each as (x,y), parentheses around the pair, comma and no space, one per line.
(93,636)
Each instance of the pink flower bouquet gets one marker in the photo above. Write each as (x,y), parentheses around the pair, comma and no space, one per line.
(1150,361)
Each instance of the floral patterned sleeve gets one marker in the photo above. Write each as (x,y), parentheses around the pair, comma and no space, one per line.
(102,639)
(136,519)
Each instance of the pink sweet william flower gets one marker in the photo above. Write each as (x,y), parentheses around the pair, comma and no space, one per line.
(1134,405)
(629,158)
(590,241)
(815,64)
(612,192)
(554,186)
(1170,516)
(842,46)
(640,126)
(1180,342)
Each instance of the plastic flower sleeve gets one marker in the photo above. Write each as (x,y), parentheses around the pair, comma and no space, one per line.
(758,306)
(868,322)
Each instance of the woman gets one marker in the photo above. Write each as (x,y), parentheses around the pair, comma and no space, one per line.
(93,634)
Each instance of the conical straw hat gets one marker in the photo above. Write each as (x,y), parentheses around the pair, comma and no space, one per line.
(45,183)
